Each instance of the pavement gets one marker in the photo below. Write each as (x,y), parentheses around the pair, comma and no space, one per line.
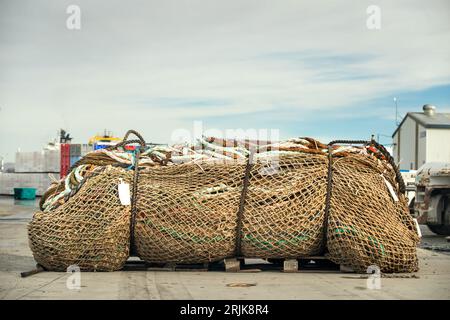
(431,282)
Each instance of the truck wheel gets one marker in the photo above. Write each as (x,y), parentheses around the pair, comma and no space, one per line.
(411,207)
(443,209)
(440,229)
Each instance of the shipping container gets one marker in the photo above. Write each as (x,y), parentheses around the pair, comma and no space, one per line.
(75,150)
(65,159)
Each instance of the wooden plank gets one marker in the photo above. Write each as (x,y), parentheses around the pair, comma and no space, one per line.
(232,265)
(290,265)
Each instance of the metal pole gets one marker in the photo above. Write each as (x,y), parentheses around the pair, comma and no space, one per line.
(396,111)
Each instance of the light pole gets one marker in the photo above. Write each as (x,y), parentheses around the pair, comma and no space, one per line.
(396,111)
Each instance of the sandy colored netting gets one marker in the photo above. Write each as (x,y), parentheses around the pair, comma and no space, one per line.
(284,207)
(366,226)
(187,213)
(192,206)
(90,230)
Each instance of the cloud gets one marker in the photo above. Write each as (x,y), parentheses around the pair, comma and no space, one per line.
(158,65)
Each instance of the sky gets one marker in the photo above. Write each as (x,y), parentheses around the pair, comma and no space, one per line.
(305,68)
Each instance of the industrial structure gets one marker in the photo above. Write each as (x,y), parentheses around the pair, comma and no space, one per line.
(422,137)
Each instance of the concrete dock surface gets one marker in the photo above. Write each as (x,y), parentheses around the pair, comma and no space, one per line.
(431,282)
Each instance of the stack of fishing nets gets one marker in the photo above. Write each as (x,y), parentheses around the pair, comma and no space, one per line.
(214,199)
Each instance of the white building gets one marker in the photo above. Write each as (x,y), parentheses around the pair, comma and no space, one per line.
(422,137)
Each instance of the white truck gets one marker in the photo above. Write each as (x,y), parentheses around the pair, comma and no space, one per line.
(432,199)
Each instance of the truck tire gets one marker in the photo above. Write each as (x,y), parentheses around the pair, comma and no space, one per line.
(443,206)
(411,207)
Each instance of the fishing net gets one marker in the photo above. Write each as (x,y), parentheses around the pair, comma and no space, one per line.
(284,206)
(366,225)
(197,206)
(187,213)
(91,230)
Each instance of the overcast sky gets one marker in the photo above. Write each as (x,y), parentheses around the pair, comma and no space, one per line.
(307,68)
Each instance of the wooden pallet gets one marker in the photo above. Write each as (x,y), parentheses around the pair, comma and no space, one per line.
(302,264)
(307,263)
(228,265)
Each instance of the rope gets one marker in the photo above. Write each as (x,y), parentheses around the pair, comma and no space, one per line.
(327,201)
(123,143)
(134,187)
(385,153)
(133,202)
(330,185)
(390,159)
(238,246)
(137,134)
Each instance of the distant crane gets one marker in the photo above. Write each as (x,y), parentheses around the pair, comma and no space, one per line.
(64,137)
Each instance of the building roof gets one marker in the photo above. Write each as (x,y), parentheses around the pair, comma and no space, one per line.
(436,121)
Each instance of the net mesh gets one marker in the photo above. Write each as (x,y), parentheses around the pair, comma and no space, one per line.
(188,213)
(284,207)
(366,226)
(91,229)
